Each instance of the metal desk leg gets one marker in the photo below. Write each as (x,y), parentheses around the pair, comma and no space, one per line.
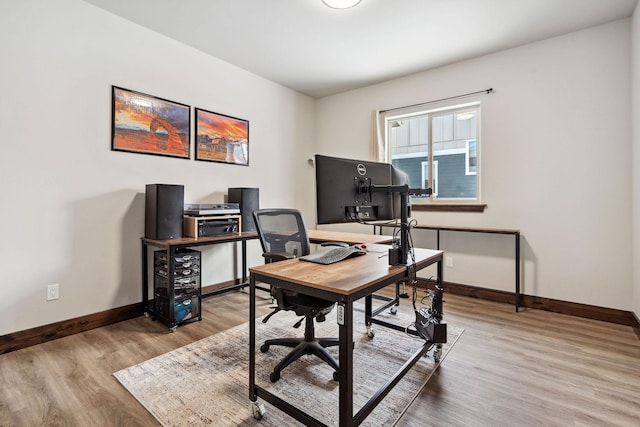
(402,294)
(368,308)
(257,408)
(346,364)
(244,261)
(517,271)
(145,280)
(252,339)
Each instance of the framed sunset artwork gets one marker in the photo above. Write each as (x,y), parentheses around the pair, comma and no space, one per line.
(221,138)
(147,124)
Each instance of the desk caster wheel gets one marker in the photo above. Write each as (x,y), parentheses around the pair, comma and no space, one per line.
(274,376)
(437,353)
(370,332)
(146,314)
(173,329)
(264,348)
(258,410)
(393,309)
(336,377)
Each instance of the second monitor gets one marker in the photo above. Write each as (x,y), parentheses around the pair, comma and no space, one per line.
(344,190)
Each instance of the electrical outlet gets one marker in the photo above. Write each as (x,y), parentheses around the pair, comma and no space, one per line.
(53,292)
(449,261)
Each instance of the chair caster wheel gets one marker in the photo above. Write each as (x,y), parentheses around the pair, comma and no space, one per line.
(370,333)
(274,376)
(393,309)
(258,410)
(264,348)
(336,377)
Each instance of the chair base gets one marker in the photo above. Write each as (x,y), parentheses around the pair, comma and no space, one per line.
(301,346)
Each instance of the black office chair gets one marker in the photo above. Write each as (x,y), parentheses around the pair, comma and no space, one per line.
(283,235)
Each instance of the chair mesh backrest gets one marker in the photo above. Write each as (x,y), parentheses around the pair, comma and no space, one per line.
(282,230)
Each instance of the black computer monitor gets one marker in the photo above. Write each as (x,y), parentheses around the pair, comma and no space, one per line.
(349,190)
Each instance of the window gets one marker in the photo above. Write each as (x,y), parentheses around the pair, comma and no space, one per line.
(450,137)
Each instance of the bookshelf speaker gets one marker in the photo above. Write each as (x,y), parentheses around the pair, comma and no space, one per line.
(164,211)
(249,200)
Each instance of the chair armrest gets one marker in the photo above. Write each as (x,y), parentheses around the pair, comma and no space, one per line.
(277,256)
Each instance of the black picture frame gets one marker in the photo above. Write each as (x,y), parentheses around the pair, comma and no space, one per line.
(147,124)
(221,138)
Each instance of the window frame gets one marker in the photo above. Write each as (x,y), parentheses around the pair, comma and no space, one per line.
(434,181)
(433,202)
(467,157)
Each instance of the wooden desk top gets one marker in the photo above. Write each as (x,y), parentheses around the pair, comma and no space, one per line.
(346,277)
(315,236)
(319,236)
(193,241)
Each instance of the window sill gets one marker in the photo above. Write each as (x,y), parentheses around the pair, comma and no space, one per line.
(441,207)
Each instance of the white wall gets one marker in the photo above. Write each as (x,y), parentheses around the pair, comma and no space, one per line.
(72,210)
(635,57)
(555,158)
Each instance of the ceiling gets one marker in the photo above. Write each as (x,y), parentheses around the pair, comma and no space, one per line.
(319,51)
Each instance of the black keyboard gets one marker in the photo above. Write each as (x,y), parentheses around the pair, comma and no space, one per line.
(333,255)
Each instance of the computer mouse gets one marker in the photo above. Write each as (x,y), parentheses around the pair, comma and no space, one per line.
(341,244)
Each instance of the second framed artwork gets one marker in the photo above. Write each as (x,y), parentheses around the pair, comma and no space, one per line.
(221,138)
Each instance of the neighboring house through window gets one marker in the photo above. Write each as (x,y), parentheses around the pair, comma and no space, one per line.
(449,136)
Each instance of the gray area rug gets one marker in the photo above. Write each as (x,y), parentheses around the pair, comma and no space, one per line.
(206,383)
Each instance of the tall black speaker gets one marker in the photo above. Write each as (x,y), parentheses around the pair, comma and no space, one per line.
(163,211)
(249,201)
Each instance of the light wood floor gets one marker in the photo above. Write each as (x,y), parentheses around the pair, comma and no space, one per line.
(531,368)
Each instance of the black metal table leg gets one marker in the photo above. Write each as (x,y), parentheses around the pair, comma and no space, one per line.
(252,339)
(517,236)
(346,363)
(145,278)
(244,261)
